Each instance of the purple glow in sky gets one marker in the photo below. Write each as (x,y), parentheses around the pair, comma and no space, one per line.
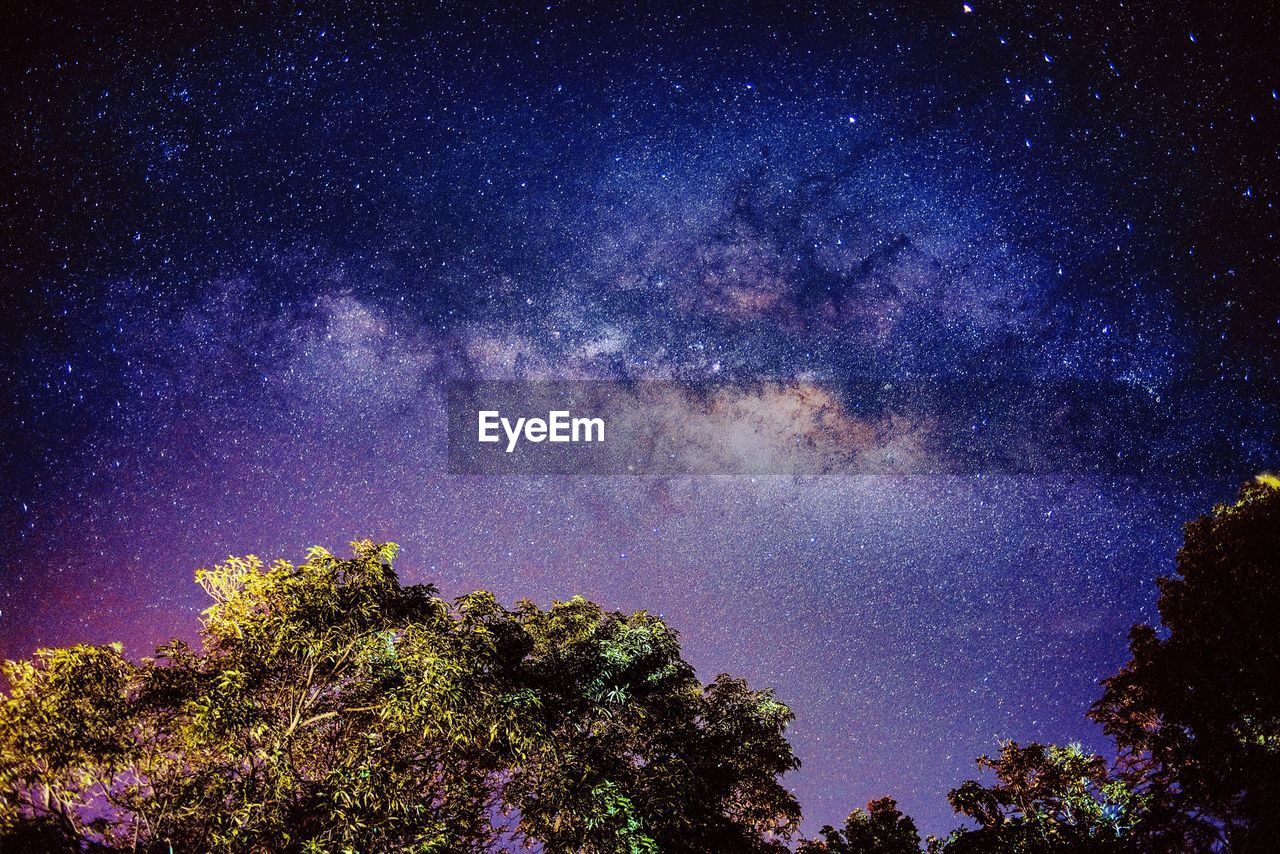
(243,256)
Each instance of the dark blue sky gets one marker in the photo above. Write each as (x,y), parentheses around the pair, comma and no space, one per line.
(241,254)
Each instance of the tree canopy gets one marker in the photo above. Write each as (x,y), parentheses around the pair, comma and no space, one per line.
(332,709)
(1196,711)
(879,829)
(1046,799)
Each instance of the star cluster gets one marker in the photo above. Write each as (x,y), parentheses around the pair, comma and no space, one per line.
(244,252)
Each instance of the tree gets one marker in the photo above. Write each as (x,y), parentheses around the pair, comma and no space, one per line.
(332,709)
(880,829)
(1196,711)
(1046,799)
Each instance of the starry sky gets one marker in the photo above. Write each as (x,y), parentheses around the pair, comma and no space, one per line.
(243,254)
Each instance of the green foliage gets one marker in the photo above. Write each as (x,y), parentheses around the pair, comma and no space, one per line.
(65,737)
(1196,710)
(1045,799)
(880,829)
(332,709)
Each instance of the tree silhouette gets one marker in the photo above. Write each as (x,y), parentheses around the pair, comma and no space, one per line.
(1045,799)
(1196,711)
(880,829)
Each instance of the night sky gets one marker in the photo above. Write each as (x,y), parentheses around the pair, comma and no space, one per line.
(242,254)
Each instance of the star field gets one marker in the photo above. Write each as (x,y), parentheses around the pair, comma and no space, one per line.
(243,253)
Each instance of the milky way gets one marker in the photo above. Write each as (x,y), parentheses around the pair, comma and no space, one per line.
(244,254)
